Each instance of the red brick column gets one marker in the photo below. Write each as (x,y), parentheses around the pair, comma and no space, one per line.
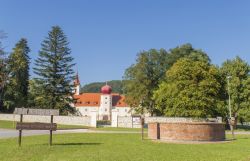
(153,130)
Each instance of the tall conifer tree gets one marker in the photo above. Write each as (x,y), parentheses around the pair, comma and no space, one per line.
(54,67)
(3,71)
(18,66)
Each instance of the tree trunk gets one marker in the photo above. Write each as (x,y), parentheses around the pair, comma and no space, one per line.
(236,121)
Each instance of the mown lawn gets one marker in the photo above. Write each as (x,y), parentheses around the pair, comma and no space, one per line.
(119,129)
(119,147)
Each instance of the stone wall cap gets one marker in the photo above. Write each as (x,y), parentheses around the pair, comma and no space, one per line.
(197,123)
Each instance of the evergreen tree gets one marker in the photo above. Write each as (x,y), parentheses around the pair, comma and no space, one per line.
(3,71)
(54,68)
(18,66)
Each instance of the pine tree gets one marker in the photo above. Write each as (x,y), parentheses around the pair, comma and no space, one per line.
(18,66)
(54,69)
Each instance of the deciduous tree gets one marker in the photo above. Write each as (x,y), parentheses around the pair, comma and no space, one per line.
(191,89)
(142,78)
(239,87)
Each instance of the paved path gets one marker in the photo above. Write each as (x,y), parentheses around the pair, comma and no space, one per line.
(239,132)
(9,133)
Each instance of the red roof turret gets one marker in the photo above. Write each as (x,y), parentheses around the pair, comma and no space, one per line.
(106,89)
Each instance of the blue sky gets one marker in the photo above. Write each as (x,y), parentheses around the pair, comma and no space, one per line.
(105,36)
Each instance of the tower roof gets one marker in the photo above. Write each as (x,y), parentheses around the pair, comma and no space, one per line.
(106,89)
(77,80)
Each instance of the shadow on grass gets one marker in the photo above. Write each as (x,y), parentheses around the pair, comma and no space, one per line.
(243,127)
(77,143)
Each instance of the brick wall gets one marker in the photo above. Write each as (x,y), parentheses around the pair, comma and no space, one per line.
(189,131)
(154,131)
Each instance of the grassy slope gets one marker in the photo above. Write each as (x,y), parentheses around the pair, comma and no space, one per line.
(119,147)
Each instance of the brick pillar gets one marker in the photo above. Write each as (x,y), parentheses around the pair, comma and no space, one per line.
(153,131)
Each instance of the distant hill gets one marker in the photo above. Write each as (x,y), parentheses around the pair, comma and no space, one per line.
(96,87)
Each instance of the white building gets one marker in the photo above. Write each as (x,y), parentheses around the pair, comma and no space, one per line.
(103,102)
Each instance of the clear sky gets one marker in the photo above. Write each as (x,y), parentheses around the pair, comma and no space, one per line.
(106,35)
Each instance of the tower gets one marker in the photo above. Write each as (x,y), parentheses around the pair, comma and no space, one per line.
(77,85)
(106,103)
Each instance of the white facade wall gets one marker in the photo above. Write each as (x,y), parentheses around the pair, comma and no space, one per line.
(77,90)
(105,106)
(86,110)
(121,111)
(66,120)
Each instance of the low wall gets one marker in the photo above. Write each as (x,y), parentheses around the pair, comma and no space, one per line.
(128,122)
(124,122)
(66,120)
(187,131)
(178,119)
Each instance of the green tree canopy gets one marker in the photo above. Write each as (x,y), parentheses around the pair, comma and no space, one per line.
(3,72)
(54,68)
(142,78)
(190,90)
(238,70)
(18,66)
(187,51)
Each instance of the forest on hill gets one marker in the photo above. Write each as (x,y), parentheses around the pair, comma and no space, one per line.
(95,87)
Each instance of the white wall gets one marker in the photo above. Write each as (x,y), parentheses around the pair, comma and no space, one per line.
(86,110)
(123,111)
(66,120)
(105,106)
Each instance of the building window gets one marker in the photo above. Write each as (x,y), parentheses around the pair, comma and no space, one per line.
(125,110)
(105,102)
(106,97)
(105,110)
(86,109)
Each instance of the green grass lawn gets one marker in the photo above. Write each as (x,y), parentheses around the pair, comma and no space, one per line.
(118,129)
(119,147)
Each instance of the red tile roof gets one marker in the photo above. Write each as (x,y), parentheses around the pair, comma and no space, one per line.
(93,99)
